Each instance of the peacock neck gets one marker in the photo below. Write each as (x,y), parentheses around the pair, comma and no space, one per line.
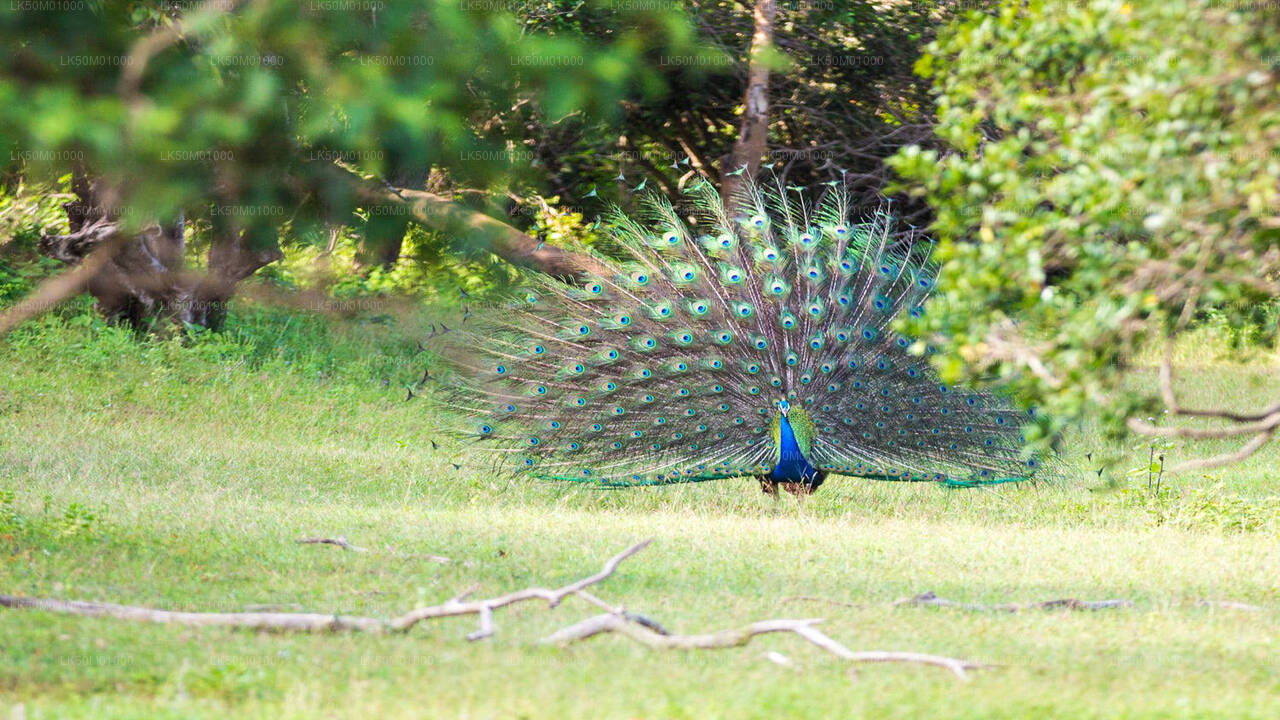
(792,465)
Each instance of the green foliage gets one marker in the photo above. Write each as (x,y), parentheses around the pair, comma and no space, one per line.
(25,213)
(238,113)
(11,521)
(372,343)
(1207,507)
(1112,169)
(77,521)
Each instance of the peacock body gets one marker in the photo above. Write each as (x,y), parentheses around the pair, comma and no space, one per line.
(754,342)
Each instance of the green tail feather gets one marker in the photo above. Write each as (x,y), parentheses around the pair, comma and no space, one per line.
(670,367)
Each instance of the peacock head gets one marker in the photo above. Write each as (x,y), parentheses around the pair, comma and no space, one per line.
(784,408)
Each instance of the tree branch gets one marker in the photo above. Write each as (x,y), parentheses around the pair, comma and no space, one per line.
(737,637)
(316,622)
(440,213)
(62,286)
(931,599)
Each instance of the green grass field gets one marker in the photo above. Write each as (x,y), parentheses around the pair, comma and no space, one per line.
(179,476)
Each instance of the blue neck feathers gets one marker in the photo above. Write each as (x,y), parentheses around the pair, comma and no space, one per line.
(792,465)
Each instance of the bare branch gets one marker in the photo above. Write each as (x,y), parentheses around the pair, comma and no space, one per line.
(737,637)
(931,599)
(340,541)
(1267,425)
(316,622)
(1245,451)
(62,286)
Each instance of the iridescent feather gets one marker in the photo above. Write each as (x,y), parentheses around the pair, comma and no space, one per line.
(677,365)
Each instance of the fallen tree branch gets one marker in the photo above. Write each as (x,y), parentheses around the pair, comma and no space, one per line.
(340,541)
(317,622)
(931,599)
(615,619)
(737,637)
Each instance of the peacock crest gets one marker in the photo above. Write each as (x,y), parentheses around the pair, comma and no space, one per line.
(756,342)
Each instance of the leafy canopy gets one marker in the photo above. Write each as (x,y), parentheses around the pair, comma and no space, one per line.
(1111,177)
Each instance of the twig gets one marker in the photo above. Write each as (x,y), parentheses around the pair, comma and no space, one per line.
(340,541)
(931,599)
(737,637)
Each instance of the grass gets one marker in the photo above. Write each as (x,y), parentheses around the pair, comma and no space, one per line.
(178,475)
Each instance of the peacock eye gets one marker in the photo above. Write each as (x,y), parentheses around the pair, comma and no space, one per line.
(538,349)
(757,220)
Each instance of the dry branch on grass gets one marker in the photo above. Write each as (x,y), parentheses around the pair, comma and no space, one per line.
(341,541)
(737,637)
(931,599)
(615,619)
(317,622)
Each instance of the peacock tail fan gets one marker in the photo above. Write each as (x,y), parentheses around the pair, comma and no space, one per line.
(674,365)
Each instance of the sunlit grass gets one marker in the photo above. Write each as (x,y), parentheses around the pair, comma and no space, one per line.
(179,477)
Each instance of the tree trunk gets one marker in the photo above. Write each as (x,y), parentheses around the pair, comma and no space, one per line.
(743,162)
(144,279)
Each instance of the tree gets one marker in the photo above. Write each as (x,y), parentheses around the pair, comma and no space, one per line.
(1111,175)
(842,96)
(245,121)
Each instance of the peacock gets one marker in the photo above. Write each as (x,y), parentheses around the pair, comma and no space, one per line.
(745,339)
